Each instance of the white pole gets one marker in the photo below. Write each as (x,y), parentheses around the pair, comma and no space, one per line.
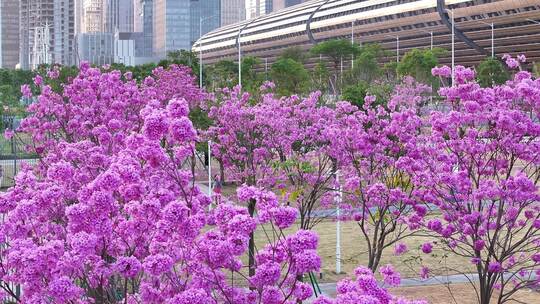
(200,53)
(239,59)
(338,199)
(352,43)
(341,73)
(453,48)
(210,169)
(266,68)
(431,42)
(492,40)
(397,49)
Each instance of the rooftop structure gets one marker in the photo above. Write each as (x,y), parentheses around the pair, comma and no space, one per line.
(414,23)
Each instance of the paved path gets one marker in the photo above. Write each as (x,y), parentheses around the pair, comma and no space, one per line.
(329,289)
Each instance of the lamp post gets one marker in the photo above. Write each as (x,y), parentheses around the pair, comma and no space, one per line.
(239,56)
(210,168)
(492,37)
(431,38)
(397,46)
(338,199)
(453,47)
(201,19)
(352,42)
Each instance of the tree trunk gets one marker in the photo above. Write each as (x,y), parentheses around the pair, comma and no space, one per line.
(251,250)
(221,172)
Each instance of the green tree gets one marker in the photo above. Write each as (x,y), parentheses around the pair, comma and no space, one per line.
(295,53)
(491,71)
(419,62)
(223,74)
(536,69)
(320,77)
(290,76)
(65,75)
(367,65)
(251,79)
(140,72)
(337,50)
(355,94)
(183,57)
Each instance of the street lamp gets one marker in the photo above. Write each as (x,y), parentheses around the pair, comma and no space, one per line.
(492,37)
(352,42)
(397,46)
(201,19)
(453,47)
(338,200)
(239,56)
(431,38)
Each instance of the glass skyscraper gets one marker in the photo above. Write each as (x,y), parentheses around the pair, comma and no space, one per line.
(176,23)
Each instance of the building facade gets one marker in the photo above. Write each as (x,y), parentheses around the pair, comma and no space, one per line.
(144,23)
(232,11)
(9,34)
(92,16)
(256,8)
(177,23)
(119,16)
(96,48)
(64,50)
(411,22)
(46,32)
(172,26)
(205,16)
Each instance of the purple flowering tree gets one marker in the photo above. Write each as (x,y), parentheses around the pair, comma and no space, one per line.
(370,145)
(110,214)
(479,165)
(303,170)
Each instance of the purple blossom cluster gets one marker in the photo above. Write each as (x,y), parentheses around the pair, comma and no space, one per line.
(365,290)
(111,212)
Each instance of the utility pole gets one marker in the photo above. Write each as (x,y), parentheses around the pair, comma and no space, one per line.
(338,200)
(492,37)
(453,47)
(201,19)
(352,43)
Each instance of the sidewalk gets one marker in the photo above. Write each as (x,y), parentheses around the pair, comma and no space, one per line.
(329,289)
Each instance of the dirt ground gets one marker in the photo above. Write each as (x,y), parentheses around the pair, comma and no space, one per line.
(457,294)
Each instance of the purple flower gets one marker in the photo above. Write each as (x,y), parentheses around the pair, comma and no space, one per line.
(400,248)
(157,264)
(494,266)
(390,276)
(479,245)
(427,248)
(424,272)
(128,266)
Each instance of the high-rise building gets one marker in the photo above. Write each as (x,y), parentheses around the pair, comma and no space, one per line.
(47,29)
(9,33)
(176,23)
(144,23)
(118,16)
(64,32)
(281,4)
(172,27)
(256,8)
(205,16)
(96,48)
(92,16)
(232,11)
